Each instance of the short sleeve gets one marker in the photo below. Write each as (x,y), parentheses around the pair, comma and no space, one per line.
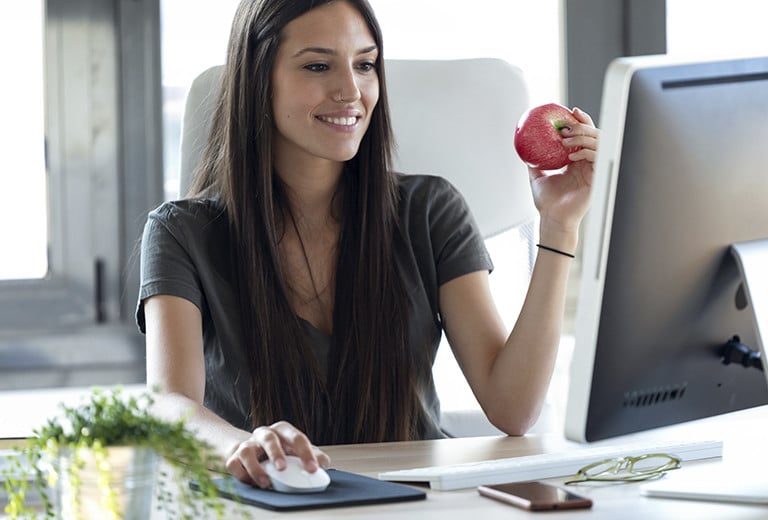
(166,265)
(457,244)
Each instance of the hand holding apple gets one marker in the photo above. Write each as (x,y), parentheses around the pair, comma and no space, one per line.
(537,137)
(563,199)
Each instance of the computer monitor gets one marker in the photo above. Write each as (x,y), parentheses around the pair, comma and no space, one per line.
(681,175)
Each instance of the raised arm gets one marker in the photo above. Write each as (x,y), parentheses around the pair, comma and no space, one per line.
(510,374)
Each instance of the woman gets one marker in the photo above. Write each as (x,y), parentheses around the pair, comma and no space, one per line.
(300,291)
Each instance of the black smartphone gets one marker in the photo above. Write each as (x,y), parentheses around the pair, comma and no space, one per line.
(535,496)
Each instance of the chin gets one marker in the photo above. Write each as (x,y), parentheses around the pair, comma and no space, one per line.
(343,155)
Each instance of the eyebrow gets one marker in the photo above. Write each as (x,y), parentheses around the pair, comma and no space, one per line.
(331,52)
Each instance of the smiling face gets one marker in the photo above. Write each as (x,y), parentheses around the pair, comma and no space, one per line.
(325,86)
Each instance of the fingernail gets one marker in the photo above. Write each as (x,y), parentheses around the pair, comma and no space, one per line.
(311,466)
(264,482)
(279,464)
(565,130)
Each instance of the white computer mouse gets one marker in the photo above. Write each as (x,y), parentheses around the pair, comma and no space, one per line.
(294,478)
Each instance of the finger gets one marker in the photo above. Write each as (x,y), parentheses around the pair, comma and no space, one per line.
(582,141)
(582,116)
(244,464)
(298,444)
(271,441)
(237,470)
(580,130)
(322,458)
(585,154)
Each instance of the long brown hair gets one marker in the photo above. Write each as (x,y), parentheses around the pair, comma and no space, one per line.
(370,393)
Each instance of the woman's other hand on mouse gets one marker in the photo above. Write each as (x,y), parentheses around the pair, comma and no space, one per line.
(274,443)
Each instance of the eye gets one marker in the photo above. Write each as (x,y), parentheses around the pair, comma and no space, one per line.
(316,67)
(367,66)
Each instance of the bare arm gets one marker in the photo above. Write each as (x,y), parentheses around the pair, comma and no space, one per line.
(510,374)
(176,366)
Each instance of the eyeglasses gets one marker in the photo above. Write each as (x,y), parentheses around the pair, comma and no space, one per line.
(627,469)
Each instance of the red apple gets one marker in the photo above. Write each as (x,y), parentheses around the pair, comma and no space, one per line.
(537,137)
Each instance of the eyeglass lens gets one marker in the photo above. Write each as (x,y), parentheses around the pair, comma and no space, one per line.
(652,463)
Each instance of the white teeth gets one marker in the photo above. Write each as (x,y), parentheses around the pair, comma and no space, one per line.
(342,121)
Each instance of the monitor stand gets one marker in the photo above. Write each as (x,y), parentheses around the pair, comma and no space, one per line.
(752,259)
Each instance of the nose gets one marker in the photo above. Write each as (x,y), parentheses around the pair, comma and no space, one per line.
(347,88)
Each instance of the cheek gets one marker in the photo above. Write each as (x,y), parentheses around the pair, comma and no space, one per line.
(286,112)
(286,102)
(373,93)
(371,97)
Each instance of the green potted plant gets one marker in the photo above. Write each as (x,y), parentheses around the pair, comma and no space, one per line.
(105,458)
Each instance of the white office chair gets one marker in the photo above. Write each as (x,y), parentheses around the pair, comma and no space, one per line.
(453,118)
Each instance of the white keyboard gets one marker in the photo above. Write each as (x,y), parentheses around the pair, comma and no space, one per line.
(542,466)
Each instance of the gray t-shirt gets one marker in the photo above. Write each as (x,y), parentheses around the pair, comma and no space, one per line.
(184,253)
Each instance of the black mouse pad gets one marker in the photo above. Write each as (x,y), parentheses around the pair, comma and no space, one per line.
(345,489)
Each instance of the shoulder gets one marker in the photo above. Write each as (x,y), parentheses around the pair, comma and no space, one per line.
(440,228)
(192,223)
(188,209)
(430,196)
(188,214)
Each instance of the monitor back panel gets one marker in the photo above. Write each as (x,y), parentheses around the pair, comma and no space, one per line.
(692,179)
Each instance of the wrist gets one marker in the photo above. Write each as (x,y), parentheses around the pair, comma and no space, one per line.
(557,237)
(555,250)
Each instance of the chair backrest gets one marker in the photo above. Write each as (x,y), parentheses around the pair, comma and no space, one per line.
(453,118)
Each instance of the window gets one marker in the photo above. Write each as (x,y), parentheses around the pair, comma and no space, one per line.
(718,29)
(56,165)
(78,129)
(526,34)
(23,143)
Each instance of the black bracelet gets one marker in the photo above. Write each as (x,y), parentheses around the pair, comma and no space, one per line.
(569,255)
